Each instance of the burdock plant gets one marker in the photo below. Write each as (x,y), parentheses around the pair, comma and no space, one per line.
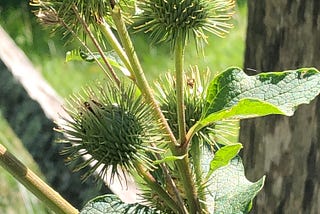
(176,137)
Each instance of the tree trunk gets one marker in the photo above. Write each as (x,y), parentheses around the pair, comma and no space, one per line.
(281,35)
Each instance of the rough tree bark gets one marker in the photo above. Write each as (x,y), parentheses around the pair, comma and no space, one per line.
(284,34)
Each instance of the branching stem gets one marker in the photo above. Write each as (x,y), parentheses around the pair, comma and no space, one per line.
(141,80)
(96,44)
(182,165)
(155,186)
(179,64)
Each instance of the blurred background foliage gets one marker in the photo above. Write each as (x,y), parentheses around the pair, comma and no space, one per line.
(47,52)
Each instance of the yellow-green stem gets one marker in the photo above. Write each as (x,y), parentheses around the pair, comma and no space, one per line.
(113,41)
(195,152)
(187,180)
(182,165)
(155,186)
(95,42)
(33,183)
(179,63)
(141,80)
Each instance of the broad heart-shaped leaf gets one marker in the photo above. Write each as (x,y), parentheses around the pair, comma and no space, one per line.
(112,204)
(229,191)
(283,90)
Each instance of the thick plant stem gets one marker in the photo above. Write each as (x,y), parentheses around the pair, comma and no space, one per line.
(186,176)
(155,186)
(33,183)
(141,80)
(179,63)
(113,41)
(182,165)
(195,152)
(188,183)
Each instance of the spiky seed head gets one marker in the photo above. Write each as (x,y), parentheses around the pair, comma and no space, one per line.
(67,13)
(111,125)
(196,84)
(168,20)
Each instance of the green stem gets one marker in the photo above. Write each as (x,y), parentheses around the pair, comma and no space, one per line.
(141,80)
(155,186)
(172,185)
(33,183)
(187,180)
(196,152)
(96,44)
(179,63)
(182,165)
(113,41)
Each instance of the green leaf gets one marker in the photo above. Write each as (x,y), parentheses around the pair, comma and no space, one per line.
(112,204)
(230,191)
(223,156)
(285,90)
(169,159)
(111,56)
(244,108)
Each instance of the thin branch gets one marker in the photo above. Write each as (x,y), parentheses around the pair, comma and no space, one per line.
(155,186)
(86,47)
(95,42)
(33,183)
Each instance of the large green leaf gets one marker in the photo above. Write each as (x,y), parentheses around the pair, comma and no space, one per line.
(284,90)
(229,191)
(112,204)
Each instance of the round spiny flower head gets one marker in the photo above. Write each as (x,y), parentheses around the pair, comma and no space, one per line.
(68,14)
(195,95)
(113,126)
(169,20)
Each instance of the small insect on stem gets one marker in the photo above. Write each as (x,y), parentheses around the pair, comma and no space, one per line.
(191,82)
(112,3)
